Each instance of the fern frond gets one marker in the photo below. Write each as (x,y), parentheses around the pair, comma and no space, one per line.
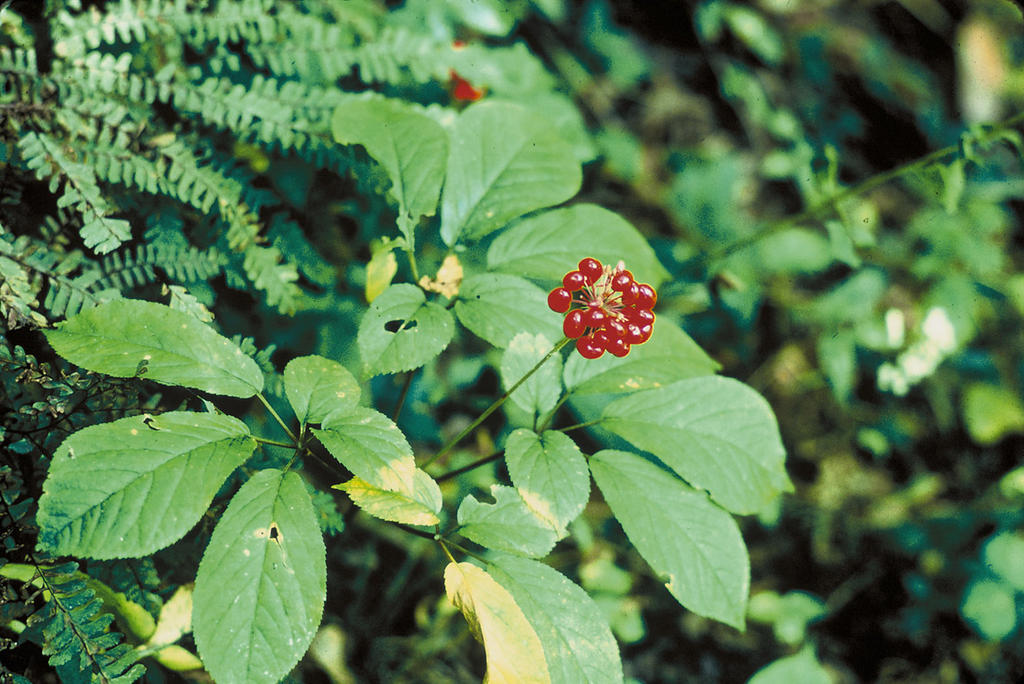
(124,270)
(46,157)
(75,632)
(266,269)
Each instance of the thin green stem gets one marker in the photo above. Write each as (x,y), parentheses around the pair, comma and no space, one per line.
(277,418)
(466,468)
(577,426)
(496,405)
(461,548)
(444,547)
(402,396)
(828,205)
(273,442)
(412,266)
(551,414)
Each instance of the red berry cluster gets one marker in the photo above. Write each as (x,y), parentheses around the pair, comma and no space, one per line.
(614,310)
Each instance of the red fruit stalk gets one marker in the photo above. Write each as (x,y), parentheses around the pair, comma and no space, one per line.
(605,309)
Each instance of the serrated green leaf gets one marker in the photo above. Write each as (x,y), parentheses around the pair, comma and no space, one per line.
(316,387)
(422,330)
(127,336)
(716,433)
(550,474)
(497,307)
(578,644)
(418,506)
(410,146)
(370,445)
(687,539)
(505,525)
(261,585)
(514,652)
(550,244)
(669,355)
(503,162)
(131,487)
(541,390)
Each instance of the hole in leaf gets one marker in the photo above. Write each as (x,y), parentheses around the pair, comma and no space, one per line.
(274,532)
(396,325)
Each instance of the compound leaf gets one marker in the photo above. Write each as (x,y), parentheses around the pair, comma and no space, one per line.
(133,486)
(715,432)
(550,244)
(505,525)
(669,355)
(514,652)
(128,337)
(682,535)
(503,162)
(419,506)
(578,644)
(262,583)
(549,473)
(370,445)
(402,330)
(316,386)
(496,307)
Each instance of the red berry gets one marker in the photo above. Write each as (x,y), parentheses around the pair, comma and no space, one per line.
(464,90)
(621,280)
(594,318)
(559,300)
(573,325)
(591,269)
(573,281)
(617,347)
(602,338)
(638,334)
(614,327)
(646,297)
(587,348)
(641,317)
(630,294)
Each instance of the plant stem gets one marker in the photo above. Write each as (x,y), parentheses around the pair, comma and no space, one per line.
(551,414)
(577,426)
(466,468)
(412,266)
(829,204)
(278,418)
(496,405)
(402,396)
(273,442)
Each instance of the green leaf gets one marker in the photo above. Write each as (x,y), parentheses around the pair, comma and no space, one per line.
(402,330)
(505,525)
(803,668)
(549,473)
(684,537)
(410,146)
(127,336)
(1004,555)
(541,390)
(419,506)
(669,355)
(717,433)
(837,358)
(262,583)
(991,412)
(370,445)
(316,386)
(503,162)
(496,307)
(550,244)
(133,486)
(514,652)
(991,608)
(578,645)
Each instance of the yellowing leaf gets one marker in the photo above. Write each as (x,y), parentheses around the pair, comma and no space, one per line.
(379,272)
(514,652)
(416,507)
(448,279)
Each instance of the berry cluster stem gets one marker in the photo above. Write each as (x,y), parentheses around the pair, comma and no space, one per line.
(496,405)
